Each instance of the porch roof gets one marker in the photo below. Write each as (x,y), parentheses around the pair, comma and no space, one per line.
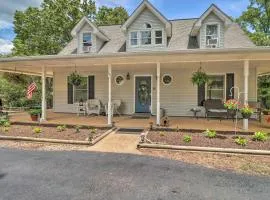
(259,57)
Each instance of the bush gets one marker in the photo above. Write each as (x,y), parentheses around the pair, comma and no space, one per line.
(35,112)
(93,130)
(37,130)
(77,128)
(260,136)
(3,121)
(241,141)
(7,124)
(162,134)
(61,128)
(187,139)
(210,133)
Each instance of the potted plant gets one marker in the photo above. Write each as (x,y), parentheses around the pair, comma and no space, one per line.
(34,114)
(232,106)
(199,77)
(266,118)
(75,79)
(246,112)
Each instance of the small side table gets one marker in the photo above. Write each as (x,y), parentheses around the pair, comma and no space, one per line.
(195,112)
(81,109)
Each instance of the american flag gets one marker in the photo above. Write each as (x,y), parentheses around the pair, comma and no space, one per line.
(31,88)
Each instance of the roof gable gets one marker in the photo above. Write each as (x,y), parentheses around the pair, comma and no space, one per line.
(147,5)
(96,30)
(217,12)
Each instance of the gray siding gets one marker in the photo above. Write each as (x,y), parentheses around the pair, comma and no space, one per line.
(212,19)
(138,25)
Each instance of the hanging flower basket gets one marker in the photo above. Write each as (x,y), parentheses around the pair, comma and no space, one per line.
(75,79)
(199,77)
(246,112)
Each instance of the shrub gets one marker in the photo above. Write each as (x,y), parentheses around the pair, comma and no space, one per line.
(61,128)
(35,112)
(210,133)
(90,137)
(77,128)
(6,129)
(187,139)
(37,130)
(162,134)
(260,136)
(6,124)
(93,130)
(3,120)
(241,141)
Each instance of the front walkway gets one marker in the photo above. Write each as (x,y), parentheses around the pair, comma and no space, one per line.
(128,122)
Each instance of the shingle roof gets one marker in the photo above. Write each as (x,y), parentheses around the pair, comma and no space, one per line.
(180,40)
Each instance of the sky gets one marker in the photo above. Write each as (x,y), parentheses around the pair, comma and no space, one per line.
(172,9)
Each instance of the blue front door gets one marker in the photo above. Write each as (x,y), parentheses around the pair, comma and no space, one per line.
(143,94)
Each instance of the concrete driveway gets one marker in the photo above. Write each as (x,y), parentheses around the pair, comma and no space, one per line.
(29,175)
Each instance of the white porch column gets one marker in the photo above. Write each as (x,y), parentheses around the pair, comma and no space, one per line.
(158,94)
(110,95)
(43,98)
(246,75)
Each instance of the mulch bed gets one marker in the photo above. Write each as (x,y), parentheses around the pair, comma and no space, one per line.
(199,139)
(51,133)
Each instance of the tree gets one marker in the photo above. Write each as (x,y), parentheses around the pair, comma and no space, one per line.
(263,90)
(256,21)
(46,30)
(111,16)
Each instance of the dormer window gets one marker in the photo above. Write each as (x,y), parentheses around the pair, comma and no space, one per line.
(146,37)
(212,35)
(87,42)
(147,25)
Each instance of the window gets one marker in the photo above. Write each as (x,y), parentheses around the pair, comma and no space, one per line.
(134,38)
(167,79)
(216,87)
(146,37)
(212,36)
(87,40)
(158,37)
(81,92)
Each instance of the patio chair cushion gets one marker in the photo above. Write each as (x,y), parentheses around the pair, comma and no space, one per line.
(218,110)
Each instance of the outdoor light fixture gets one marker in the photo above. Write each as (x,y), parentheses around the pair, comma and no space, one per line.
(128,76)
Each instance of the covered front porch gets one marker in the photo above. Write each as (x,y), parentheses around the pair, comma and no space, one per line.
(177,99)
(128,122)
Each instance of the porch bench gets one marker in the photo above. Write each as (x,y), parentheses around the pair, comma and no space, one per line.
(215,108)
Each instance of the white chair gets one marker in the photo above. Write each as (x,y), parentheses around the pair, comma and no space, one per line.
(93,106)
(115,107)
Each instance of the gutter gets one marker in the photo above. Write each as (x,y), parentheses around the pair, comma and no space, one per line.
(130,54)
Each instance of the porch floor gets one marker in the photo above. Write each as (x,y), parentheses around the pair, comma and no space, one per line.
(128,122)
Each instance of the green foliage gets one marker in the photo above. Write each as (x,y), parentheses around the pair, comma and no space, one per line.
(75,79)
(46,30)
(110,16)
(77,128)
(256,22)
(35,112)
(3,121)
(199,77)
(210,133)
(187,139)
(162,134)
(260,136)
(93,130)
(61,128)
(5,129)
(264,90)
(241,141)
(37,130)
(6,124)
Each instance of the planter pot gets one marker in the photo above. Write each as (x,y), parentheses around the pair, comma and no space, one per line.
(246,116)
(34,118)
(266,121)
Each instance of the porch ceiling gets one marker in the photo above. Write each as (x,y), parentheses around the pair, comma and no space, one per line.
(259,57)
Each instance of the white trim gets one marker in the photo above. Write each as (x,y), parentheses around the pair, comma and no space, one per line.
(163,81)
(134,91)
(124,80)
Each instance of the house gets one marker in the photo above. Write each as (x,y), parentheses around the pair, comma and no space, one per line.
(148,61)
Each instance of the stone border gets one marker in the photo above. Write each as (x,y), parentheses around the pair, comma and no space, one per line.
(46,140)
(204,149)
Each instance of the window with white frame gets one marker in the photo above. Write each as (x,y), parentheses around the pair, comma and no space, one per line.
(212,39)
(146,37)
(81,92)
(87,42)
(216,87)
(158,37)
(134,38)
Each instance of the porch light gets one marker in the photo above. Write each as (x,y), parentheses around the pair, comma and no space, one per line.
(128,76)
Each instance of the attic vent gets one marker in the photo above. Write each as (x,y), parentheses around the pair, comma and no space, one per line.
(147,25)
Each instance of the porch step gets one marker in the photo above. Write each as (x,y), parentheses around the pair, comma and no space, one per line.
(141,116)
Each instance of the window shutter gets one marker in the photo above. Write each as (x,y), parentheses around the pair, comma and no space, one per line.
(230,84)
(70,92)
(201,95)
(91,87)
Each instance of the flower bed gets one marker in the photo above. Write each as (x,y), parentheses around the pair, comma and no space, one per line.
(201,140)
(60,132)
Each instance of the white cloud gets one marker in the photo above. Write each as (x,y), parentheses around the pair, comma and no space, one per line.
(5,46)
